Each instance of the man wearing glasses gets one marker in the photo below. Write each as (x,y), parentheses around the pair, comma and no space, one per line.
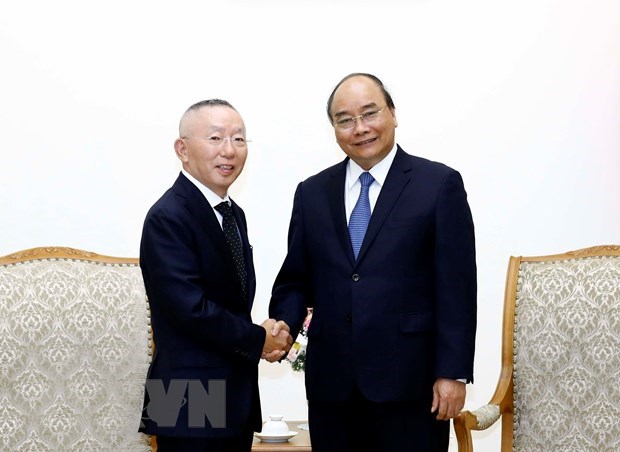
(381,245)
(196,260)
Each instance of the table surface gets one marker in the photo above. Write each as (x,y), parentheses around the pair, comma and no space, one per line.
(301,441)
(298,443)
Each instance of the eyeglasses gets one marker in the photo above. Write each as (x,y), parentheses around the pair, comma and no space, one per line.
(217,141)
(367,118)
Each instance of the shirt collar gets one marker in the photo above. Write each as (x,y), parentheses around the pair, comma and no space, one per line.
(211,197)
(379,171)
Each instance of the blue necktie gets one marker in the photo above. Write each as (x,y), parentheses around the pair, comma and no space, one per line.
(358,223)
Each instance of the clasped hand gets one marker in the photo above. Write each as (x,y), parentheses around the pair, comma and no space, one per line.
(278,340)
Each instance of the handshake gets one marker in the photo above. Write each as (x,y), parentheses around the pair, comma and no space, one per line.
(278,340)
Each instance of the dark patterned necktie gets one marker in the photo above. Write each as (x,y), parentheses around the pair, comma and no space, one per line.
(360,216)
(234,241)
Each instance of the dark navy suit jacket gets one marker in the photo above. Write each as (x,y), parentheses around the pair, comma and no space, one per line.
(404,313)
(201,322)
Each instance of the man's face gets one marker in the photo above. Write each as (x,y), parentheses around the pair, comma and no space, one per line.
(367,142)
(212,146)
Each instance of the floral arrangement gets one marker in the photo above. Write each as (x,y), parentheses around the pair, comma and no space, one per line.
(297,354)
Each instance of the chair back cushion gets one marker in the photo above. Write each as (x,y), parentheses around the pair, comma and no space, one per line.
(567,355)
(74,352)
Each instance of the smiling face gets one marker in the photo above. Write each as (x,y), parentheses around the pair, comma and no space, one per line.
(212,146)
(366,143)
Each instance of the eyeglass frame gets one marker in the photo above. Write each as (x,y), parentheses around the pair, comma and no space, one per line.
(210,141)
(364,117)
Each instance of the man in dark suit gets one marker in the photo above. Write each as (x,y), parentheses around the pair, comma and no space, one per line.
(391,344)
(202,388)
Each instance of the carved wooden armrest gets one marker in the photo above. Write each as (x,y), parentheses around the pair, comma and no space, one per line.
(486,416)
(479,419)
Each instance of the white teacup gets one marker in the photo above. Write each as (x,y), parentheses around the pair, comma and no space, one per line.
(275,426)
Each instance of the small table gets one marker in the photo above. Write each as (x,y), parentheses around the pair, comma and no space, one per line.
(298,443)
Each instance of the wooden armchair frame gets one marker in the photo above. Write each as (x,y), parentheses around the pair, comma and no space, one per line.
(501,404)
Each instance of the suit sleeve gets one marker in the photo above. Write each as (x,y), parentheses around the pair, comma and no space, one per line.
(291,291)
(176,285)
(455,281)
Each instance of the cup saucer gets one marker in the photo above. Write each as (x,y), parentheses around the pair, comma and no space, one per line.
(275,438)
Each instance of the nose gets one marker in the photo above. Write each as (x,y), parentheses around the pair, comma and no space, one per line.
(360,126)
(227,148)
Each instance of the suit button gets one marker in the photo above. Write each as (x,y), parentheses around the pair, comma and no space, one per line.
(349,318)
(355,277)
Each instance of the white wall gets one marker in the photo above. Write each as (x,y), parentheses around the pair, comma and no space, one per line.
(522,97)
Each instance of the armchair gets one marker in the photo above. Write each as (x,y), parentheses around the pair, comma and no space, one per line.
(559,386)
(75,345)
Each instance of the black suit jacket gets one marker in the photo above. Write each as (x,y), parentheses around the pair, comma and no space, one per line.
(202,327)
(404,313)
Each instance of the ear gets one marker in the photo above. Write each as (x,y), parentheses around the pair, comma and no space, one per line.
(394,116)
(181,150)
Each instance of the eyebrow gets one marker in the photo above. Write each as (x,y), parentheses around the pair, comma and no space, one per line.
(221,129)
(346,112)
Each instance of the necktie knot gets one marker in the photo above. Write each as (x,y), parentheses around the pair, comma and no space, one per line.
(366,179)
(224,208)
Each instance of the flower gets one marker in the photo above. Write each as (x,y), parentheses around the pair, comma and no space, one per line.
(297,354)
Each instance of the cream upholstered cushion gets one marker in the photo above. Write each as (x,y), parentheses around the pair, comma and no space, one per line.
(567,356)
(74,352)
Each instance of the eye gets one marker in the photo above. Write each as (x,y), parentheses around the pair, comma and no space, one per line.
(344,122)
(213,139)
(239,140)
(370,114)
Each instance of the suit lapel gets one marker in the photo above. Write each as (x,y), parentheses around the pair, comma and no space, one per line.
(201,210)
(338,212)
(397,179)
(247,254)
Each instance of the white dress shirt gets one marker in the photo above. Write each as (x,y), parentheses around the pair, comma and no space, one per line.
(211,197)
(352,182)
